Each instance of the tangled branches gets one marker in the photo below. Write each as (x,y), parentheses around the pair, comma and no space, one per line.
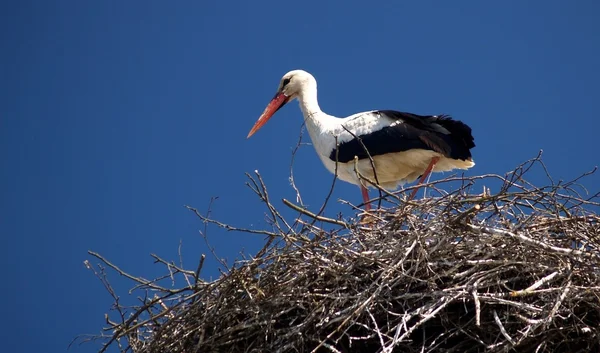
(517,270)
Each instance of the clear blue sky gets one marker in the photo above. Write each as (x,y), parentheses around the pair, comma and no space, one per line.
(116,114)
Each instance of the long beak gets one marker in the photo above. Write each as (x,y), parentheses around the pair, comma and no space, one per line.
(276,103)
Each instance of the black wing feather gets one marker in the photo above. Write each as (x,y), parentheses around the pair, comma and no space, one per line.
(428,132)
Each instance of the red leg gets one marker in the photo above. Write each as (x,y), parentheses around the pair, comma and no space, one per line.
(365,195)
(434,160)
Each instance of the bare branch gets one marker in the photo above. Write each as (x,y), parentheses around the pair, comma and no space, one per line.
(512,268)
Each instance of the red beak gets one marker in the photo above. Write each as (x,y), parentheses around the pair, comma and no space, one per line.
(276,103)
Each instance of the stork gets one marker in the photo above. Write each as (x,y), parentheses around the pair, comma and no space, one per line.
(391,147)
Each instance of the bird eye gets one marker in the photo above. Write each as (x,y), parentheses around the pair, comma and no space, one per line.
(285,82)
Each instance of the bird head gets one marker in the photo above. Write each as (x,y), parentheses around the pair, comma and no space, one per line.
(293,85)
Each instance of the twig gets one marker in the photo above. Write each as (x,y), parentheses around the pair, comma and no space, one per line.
(477,308)
(335,176)
(370,160)
(557,305)
(502,329)
(292,159)
(314,216)
(534,286)
(532,241)
(142,281)
(230,227)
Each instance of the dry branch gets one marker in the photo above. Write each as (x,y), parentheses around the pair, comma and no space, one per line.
(513,271)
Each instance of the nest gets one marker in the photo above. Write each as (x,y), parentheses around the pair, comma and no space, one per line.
(516,270)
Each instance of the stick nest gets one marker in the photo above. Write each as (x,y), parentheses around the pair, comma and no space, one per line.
(512,271)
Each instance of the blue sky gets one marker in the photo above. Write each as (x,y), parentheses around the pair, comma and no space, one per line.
(114,115)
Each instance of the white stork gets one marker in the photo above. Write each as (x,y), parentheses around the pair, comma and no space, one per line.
(402,146)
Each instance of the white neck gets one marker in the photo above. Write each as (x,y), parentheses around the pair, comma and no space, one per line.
(318,123)
(316,120)
(309,102)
